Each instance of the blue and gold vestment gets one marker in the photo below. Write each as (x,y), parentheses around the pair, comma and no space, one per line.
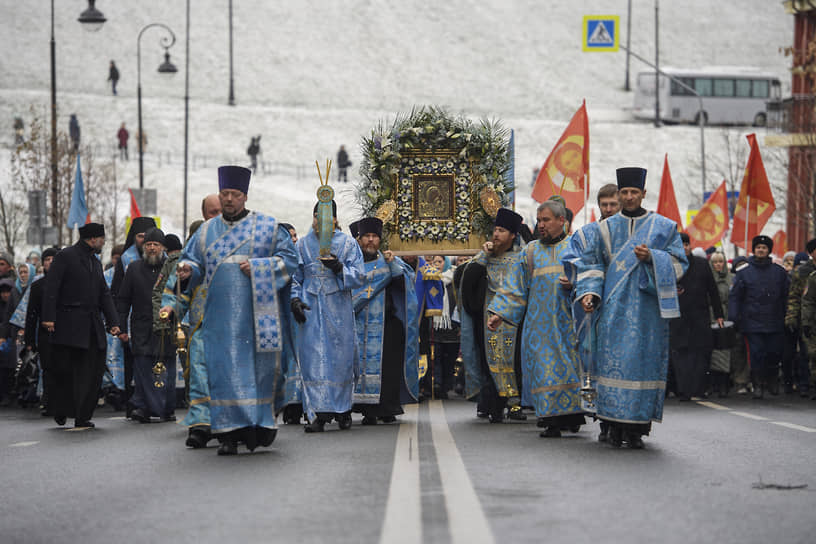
(636,300)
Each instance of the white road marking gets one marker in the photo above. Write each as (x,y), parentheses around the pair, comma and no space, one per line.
(23,444)
(750,416)
(794,426)
(78,429)
(117,417)
(403,511)
(714,405)
(466,519)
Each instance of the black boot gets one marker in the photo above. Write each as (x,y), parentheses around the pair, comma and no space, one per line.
(516,414)
(228,447)
(615,436)
(316,426)
(634,440)
(550,432)
(197,439)
(344,421)
(604,434)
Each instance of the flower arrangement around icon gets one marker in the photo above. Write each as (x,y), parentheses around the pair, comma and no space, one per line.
(432,176)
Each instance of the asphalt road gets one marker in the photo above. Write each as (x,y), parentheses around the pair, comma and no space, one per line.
(711,472)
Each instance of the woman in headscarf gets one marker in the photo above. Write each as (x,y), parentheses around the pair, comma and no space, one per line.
(721,358)
(25,276)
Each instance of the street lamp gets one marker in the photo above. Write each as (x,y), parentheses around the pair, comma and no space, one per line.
(166,67)
(91,19)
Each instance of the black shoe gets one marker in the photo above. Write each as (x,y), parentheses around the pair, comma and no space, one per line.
(168,418)
(684,398)
(550,432)
(481,415)
(138,415)
(60,420)
(389,419)
(541,422)
(228,447)
(759,391)
(615,437)
(369,420)
(197,439)
(603,436)
(575,429)
(315,426)
(634,441)
(84,425)
(516,414)
(789,389)
(496,418)
(344,421)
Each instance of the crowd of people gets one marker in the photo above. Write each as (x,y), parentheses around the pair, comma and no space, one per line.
(604,322)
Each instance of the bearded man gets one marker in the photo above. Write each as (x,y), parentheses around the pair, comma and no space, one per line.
(386,318)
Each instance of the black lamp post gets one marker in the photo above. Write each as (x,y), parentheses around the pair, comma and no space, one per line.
(166,67)
(91,19)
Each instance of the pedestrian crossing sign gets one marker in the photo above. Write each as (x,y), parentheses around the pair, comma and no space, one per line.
(601,32)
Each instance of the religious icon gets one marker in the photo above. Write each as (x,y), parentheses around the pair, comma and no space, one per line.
(433,196)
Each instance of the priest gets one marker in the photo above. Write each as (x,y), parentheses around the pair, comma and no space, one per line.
(386,318)
(537,292)
(628,273)
(244,260)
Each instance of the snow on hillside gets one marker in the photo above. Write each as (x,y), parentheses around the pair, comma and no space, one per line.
(312,75)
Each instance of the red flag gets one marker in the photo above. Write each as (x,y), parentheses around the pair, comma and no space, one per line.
(134,207)
(756,202)
(709,225)
(592,216)
(666,201)
(566,170)
(780,243)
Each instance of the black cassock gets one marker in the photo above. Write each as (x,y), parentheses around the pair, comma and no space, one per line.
(76,297)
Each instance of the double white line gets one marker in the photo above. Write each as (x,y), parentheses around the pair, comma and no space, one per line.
(403,512)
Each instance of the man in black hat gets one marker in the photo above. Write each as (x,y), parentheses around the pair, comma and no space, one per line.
(76,298)
(628,272)
(691,339)
(793,315)
(492,360)
(132,253)
(154,357)
(756,304)
(36,338)
(387,317)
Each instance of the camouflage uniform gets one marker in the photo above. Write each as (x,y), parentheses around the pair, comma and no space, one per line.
(799,279)
(809,326)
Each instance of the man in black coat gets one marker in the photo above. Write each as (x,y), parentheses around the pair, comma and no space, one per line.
(756,304)
(154,358)
(76,296)
(131,254)
(691,339)
(36,338)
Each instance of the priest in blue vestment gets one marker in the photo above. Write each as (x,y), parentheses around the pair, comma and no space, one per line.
(326,336)
(537,292)
(628,273)
(491,357)
(242,263)
(386,316)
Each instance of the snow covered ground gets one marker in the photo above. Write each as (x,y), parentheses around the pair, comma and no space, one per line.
(314,74)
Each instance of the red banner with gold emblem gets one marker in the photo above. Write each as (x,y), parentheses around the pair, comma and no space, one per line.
(709,225)
(566,170)
(780,242)
(756,202)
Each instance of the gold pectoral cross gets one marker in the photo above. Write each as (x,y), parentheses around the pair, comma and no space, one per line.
(368,291)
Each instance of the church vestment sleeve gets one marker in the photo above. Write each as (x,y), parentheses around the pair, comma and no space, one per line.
(353,274)
(283,263)
(124,301)
(510,301)
(193,255)
(585,256)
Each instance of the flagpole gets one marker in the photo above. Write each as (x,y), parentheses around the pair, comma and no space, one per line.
(747,222)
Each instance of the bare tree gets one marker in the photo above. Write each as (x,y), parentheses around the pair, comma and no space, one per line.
(12,221)
(31,170)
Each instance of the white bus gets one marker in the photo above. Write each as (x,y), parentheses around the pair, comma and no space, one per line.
(731,96)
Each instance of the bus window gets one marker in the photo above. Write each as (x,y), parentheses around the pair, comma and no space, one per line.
(723,87)
(678,90)
(702,86)
(760,88)
(744,88)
